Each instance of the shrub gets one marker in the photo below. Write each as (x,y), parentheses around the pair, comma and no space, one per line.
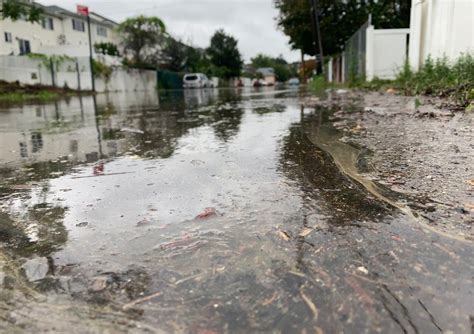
(440,78)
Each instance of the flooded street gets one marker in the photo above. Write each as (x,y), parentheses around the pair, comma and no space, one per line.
(211,211)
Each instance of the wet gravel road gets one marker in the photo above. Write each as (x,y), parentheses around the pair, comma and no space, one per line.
(211,211)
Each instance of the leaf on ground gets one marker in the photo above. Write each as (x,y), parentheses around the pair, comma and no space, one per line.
(270,300)
(283,235)
(470,182)
(306,232)
(470,206)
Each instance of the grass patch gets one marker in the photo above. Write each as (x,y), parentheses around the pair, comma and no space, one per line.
(453,80)
(319,84)
(21,97)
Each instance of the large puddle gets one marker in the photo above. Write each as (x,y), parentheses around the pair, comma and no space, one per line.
(209,211)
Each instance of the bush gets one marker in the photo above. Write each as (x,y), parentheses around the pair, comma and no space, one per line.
(101,70)
(440,78)
(107,48)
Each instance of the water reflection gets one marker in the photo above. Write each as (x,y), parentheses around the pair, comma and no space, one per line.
(320,179)
(86,129)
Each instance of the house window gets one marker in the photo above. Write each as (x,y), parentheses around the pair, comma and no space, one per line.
(78,25)
(101,31)
(8,37)
(47,23)
(24,46)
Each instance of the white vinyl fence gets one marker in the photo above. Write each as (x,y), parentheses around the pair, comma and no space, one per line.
(387,51)
(440,28)
(370,53)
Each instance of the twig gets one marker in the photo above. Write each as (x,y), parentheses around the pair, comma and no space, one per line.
(310,304)
(140,300)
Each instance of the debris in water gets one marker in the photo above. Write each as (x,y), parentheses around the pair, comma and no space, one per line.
(396,238)
(99,283)
(270,300)
(130,130)
(143,222)
(140,300)
(36,268)
(310,304)
(363,270)
(306,232)
(207,213)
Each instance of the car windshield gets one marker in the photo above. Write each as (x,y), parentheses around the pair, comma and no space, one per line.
(191,77)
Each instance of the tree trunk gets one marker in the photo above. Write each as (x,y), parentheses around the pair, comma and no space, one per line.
(303,69)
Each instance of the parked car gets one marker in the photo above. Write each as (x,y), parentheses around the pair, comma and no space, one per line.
(294,82)
(259,83)
(196,80)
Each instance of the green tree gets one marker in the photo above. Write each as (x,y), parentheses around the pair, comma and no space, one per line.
(174,55)
(15,9)
(295,21)
(280,66)
(262,60)
(140,34)
(198,61)
(339,19)
(177,56)
(224,55)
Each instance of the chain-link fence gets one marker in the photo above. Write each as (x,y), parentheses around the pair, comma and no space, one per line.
(355,55)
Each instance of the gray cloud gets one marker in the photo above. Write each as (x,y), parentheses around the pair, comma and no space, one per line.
(250,21)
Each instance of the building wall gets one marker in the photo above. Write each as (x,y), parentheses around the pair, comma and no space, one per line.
(41,38)
(440,28)
(386,52)
(32,32)
(34,71)
(270,79)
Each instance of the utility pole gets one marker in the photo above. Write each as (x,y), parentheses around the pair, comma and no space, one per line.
(83,10)
(91,59)
(317,42)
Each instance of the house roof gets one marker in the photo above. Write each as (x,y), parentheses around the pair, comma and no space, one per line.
(266,71)
(96,18)
(104,18)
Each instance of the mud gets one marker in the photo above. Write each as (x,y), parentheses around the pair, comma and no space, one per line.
(417,147)
(214,211)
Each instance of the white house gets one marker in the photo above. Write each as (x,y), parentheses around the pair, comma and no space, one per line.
(440,28)
(59,32)
(268,74)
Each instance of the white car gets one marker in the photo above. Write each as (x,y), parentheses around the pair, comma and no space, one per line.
(294,82)
(196,80)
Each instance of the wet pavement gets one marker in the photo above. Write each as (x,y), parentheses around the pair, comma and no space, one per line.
(211,211)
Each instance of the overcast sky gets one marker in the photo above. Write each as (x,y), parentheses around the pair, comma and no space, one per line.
(252,22)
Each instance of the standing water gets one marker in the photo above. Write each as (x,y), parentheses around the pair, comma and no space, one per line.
(208,211)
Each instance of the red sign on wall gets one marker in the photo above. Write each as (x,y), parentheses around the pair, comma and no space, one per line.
(83,10)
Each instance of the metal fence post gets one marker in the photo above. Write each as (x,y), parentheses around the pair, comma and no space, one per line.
(51,64)
(78,75)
